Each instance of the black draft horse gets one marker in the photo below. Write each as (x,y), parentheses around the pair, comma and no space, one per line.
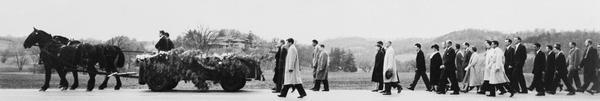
(63,55)
(50,51)
(108,57)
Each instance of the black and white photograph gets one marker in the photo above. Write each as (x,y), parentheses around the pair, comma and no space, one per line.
(299,50)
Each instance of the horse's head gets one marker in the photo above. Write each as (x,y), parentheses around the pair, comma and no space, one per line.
(35,38)
(31,39)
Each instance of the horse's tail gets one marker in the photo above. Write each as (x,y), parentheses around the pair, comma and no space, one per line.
(120,58)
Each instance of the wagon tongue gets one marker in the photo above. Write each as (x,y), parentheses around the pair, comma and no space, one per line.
(122,74)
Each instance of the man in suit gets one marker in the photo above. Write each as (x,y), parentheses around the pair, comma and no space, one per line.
(561,67)
(377,75)
(538,71)
(448,70)
(518,58)
(573,60)
(421,71)
(596,86)
(590,65)
(550,70)
(468,52)
(508,54)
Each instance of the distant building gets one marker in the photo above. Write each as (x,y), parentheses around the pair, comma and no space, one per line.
(229,42)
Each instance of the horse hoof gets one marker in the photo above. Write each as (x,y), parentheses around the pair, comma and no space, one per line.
(73,87)
(117,87)
(43,89)
(89,90)
(101,87)
(63,88)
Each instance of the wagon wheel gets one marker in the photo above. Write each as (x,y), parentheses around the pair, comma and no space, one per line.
(235,82)
(159,83)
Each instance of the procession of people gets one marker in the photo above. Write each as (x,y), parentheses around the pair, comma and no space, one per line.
(460,68)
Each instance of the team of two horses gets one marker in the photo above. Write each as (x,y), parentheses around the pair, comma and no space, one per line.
(64,55)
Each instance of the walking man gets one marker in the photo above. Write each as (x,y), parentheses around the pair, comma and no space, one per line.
(448,71)
(292,71)
(550,70)
(322,64)
(315,57)
(561,67)
(509,52)
(573,60)
(519,57)
(390,71)
(590,65)
(421,70)
(538,71)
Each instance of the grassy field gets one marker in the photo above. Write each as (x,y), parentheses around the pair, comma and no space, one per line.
(337,80)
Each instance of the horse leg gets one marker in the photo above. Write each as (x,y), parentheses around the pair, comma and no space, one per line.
(118,86)
(64,84)
(103,85)
(92,81)
(47,77)
(76,81)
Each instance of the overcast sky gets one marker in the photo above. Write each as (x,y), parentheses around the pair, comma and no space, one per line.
(301,19)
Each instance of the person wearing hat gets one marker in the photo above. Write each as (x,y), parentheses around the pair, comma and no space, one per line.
(377,75)
(421,70)
(435,61)
(561,68)
(279,66)
(164,44)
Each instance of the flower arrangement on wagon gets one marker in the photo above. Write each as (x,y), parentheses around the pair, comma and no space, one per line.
(162,71)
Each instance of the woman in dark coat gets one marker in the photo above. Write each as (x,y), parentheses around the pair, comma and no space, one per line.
(378,67)
(164,44)
(279,67)
(435,63)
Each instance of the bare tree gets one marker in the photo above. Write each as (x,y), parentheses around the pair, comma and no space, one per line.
(19,54)
(121,41)
(200,38)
